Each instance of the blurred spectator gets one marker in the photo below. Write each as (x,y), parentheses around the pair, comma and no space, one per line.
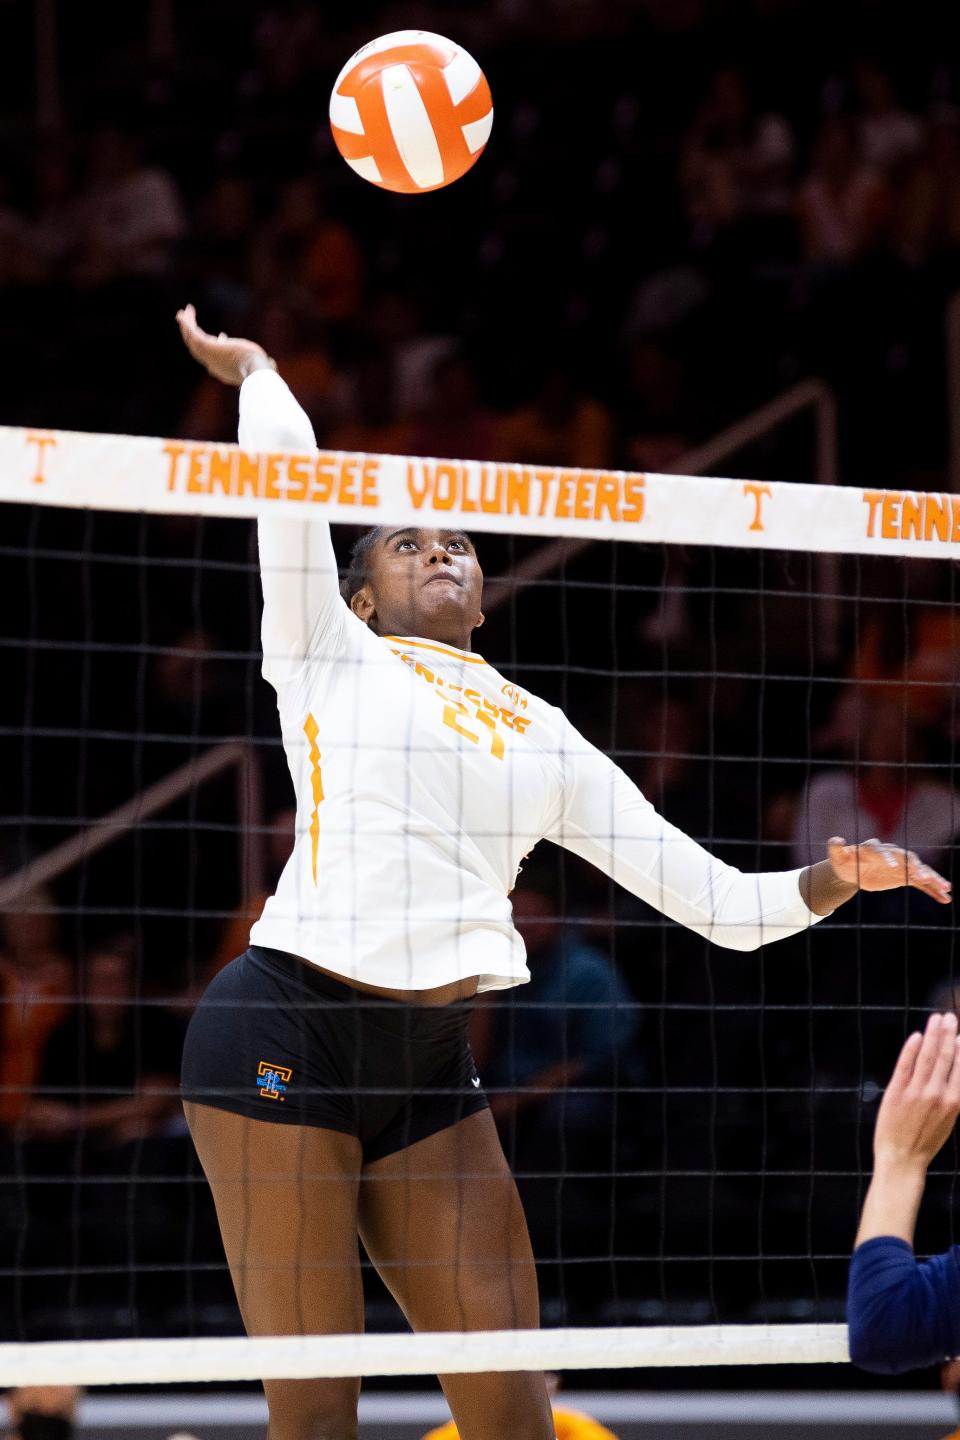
(885,796)
(236,935)
(35,983)
(302,248)
(653,407)
(568,1424)
(560,426)
(661,744)
(396,324)
(374,424)
(843,202)
(454,422)
(189,691)
(299,348)
(735,160)
(779,824)
(889,133)
(571,1026)
(220,247)
(42,1412)
(110,1067)
(16,262)
(927,213)
(915,663)
(57,213)
(131,213)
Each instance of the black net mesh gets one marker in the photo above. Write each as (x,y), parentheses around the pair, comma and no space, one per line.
(689,1126)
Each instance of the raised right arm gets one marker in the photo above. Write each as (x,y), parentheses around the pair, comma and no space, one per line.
(303,613)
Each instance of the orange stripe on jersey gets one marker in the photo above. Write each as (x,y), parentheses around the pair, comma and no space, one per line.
(311,729)
(440,649)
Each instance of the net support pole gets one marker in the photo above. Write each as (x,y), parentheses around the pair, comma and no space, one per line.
(16,888)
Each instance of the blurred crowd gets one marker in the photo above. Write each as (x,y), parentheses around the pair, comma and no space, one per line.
(684,208)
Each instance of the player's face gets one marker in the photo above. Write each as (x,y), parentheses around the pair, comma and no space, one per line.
(423,582)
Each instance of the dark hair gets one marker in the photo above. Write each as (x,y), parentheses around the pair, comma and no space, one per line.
(356,576)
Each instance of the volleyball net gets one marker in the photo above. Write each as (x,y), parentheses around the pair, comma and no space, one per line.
(771,662)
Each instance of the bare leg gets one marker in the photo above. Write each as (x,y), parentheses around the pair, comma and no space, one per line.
(286,1198)
(442,1222)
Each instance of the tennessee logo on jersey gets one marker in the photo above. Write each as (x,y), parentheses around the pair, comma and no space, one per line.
(515,695)
(272,1080)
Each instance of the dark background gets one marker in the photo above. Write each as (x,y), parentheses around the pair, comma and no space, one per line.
(685,207)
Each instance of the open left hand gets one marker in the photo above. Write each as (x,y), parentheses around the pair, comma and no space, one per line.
(876,866)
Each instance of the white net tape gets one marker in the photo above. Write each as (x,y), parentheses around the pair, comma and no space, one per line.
(121,472)
(281,1357)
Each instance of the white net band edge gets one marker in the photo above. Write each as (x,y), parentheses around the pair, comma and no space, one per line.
(148,1362)
(155,476)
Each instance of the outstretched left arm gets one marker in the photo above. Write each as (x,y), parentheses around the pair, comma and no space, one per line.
(606,820)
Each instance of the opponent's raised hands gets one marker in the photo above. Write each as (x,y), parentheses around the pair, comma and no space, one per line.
(225,357)
(876,866)
(917,1113)
(921,1103)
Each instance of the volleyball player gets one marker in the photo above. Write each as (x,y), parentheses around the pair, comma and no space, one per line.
(327,1078)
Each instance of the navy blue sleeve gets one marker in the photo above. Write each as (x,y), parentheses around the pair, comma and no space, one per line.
(902,1314)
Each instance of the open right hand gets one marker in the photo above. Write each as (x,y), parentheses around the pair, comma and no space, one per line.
(225,357)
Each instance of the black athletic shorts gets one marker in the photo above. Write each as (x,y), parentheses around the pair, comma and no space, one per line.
(276,1039)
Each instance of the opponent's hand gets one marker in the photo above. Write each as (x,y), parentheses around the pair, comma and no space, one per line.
(921,1103)
(875,866)
(225,357)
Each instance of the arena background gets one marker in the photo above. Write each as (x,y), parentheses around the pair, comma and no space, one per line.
(686,208)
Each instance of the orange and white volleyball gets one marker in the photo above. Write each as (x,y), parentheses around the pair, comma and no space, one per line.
(411,111)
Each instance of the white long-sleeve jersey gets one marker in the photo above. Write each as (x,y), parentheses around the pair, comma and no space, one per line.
(423,778)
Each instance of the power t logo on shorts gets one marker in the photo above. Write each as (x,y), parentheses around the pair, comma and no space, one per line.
(272,1080)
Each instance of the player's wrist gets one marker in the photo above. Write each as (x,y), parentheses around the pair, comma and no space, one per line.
(895,1164)
(823,890)
(255,360)
(894,1197)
